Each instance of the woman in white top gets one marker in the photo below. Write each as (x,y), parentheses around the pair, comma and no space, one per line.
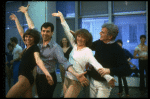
(79,57)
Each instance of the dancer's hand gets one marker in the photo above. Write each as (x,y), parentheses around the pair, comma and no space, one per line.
(23,9)
(104,71)
(13,17)
(82,79)
(59,14)
(112,82)
(50,79)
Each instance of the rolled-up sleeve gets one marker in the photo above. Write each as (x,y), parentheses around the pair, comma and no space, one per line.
(59,55)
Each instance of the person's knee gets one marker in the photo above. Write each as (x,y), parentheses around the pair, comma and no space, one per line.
(28,93)
(72,92)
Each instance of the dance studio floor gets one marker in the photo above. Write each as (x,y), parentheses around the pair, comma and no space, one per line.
(133,91)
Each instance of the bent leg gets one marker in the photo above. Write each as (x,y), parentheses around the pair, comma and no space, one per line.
(73,89)
(19,88)
(65,85)
(28,93)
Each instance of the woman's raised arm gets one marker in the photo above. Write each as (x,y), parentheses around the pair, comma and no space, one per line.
(25,11)
(19,27)
(66,27)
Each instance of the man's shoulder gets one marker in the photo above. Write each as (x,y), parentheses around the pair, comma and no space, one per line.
(56,45)
(125,50)
(18,46)
(97,41)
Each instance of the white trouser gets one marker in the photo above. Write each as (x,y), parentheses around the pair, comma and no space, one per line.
(99,89)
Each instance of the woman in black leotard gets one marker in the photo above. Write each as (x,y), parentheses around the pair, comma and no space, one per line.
(30,58)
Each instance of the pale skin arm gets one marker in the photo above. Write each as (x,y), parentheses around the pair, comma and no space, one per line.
(20,30)
(60,15)
(19,27)
(25,11)
(43,68)
(66,27)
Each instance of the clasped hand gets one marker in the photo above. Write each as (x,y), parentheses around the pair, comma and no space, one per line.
(50,79)
(103,71)
(82,79)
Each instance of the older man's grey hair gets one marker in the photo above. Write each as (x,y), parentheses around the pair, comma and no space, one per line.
(112,29)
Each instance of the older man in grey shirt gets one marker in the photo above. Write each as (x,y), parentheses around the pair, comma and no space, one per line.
(50,51)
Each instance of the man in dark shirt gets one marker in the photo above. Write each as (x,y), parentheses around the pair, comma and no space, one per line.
(129,56)
(111,56)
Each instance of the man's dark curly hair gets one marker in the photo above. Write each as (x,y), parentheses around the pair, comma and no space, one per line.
(86,34)
(48,24)
(14,39)
(142,36)
(33,33)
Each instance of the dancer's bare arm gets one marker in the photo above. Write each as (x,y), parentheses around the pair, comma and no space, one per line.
(28,19)
(19,27)
(43,68)
(60,15)
(66,27)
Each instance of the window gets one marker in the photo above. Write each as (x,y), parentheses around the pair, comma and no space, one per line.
(93,7)
(132,34)
(130,29)
(129,6)
(93,25)
(119,36)
(66,7)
